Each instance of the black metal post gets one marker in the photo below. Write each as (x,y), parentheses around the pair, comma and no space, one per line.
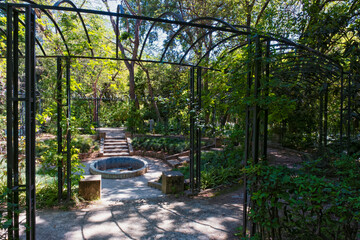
(68,139)
(117,36)
(59,129)
(30,120)
(198,132)
(326,115)
(348,143)
(16,124)
(341,109)
(321,112)
(256,117)
(247,135)
(256,112)
(192,127)
(9,114)
(266,94)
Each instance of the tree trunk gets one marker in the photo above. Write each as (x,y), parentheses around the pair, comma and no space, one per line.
(132,94)
(224,119)
(158,116)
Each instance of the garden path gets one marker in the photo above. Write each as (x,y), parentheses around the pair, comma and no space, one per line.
(129,209)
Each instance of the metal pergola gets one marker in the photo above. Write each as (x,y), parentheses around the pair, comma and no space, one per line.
(269,56)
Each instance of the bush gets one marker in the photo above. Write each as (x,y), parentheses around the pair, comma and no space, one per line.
(47,172)
(301,205)
(170,145)
(134,121)
(83,144)
(219,168)
(5,222)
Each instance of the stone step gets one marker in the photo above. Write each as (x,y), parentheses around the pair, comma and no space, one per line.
(173,163)
(217,149)
(116,154)
(183,159)
(116,147)
(115,136)
(114,139)
(115,150)
(115,143)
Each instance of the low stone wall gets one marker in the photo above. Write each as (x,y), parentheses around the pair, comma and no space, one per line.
(100,167)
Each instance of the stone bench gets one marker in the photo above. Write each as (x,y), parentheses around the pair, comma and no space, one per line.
(90,187)
(172,182)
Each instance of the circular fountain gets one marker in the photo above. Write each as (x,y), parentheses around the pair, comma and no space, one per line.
(119,167)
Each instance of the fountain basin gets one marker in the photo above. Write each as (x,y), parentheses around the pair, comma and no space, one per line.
(119,167)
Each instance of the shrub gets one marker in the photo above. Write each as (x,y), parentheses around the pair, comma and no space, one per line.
(301,205)
(170,145)
(83,144)
(5,222)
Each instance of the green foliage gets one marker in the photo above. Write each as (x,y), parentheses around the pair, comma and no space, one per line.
(84,144)
(170,145)
(47,194)
(113,114)
(134,122)
(302,205)
(47,172)
(2,127)
(5,222)
(185,170)
(220,168)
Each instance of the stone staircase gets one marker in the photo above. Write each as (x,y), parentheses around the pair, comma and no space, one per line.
(115,146)
(113,142)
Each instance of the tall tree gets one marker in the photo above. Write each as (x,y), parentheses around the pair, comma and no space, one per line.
(129,41)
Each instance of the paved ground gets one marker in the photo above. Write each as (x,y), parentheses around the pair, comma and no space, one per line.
(129,209)
(160,218)
(131,188)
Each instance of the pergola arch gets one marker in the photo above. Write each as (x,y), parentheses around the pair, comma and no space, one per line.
(81,19)
(264,50)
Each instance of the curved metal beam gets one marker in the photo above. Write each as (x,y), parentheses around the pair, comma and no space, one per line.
(198,40)
(192,21)
(304,68)
(305,56)
(214,46)
(176,16)
(271,37)
(192,45)
(53,20)
(57,4)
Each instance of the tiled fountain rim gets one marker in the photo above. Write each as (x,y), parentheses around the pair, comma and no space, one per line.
(126,174)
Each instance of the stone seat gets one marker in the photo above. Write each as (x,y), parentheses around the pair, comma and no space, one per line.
(90,187)
(172,182)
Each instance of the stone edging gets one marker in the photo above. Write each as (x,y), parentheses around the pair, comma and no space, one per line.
(120,175)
